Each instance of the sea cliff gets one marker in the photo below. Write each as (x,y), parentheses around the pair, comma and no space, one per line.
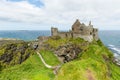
(90,61)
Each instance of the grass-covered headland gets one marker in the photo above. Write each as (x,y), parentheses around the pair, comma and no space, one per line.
(94,61)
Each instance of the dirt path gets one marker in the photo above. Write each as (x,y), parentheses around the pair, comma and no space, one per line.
(90,75)
(55,68)
(43,61)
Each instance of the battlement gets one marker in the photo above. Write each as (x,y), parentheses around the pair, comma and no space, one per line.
(88,33)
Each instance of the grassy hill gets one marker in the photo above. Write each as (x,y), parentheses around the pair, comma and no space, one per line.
(95,62)
(31,69)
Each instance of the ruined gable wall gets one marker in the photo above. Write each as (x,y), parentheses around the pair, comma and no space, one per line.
(95,34)
(85,30)
(62,34)
(65,34)
(85,37)
(76,26)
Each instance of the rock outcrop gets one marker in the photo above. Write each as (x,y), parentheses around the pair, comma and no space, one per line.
(14,53)
(67,52)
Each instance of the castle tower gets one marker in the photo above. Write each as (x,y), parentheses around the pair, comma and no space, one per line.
(90,24)
(54,31)
(76,25)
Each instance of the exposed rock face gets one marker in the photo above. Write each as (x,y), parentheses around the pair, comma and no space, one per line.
(14,53)
(67,52)
(41,40)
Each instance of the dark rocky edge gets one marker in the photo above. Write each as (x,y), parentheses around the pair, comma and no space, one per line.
(68,52)
(14,52)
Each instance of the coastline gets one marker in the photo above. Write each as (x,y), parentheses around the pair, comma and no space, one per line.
(8,39)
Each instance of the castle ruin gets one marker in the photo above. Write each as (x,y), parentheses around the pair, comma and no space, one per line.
(88,33)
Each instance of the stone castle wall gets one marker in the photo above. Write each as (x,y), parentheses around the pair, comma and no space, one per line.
(88,33)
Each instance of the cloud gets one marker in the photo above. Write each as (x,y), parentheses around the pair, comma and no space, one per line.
(103,13)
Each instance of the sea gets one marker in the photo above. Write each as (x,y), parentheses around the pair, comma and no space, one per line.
(111,39)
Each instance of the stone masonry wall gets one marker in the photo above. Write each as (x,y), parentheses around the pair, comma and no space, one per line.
(88,33)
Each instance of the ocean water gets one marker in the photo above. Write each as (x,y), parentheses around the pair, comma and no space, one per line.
(26,35)
(110,38)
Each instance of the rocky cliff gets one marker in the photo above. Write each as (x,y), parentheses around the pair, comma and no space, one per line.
(14,52)
(79,60)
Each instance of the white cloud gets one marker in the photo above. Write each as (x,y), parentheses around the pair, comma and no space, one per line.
(103,13)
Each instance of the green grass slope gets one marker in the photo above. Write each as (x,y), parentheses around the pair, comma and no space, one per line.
(95,63)
(31,69)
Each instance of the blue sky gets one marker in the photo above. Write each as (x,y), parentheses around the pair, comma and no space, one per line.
(37,3)
(44,14)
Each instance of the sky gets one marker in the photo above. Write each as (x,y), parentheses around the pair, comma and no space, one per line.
(44,14)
